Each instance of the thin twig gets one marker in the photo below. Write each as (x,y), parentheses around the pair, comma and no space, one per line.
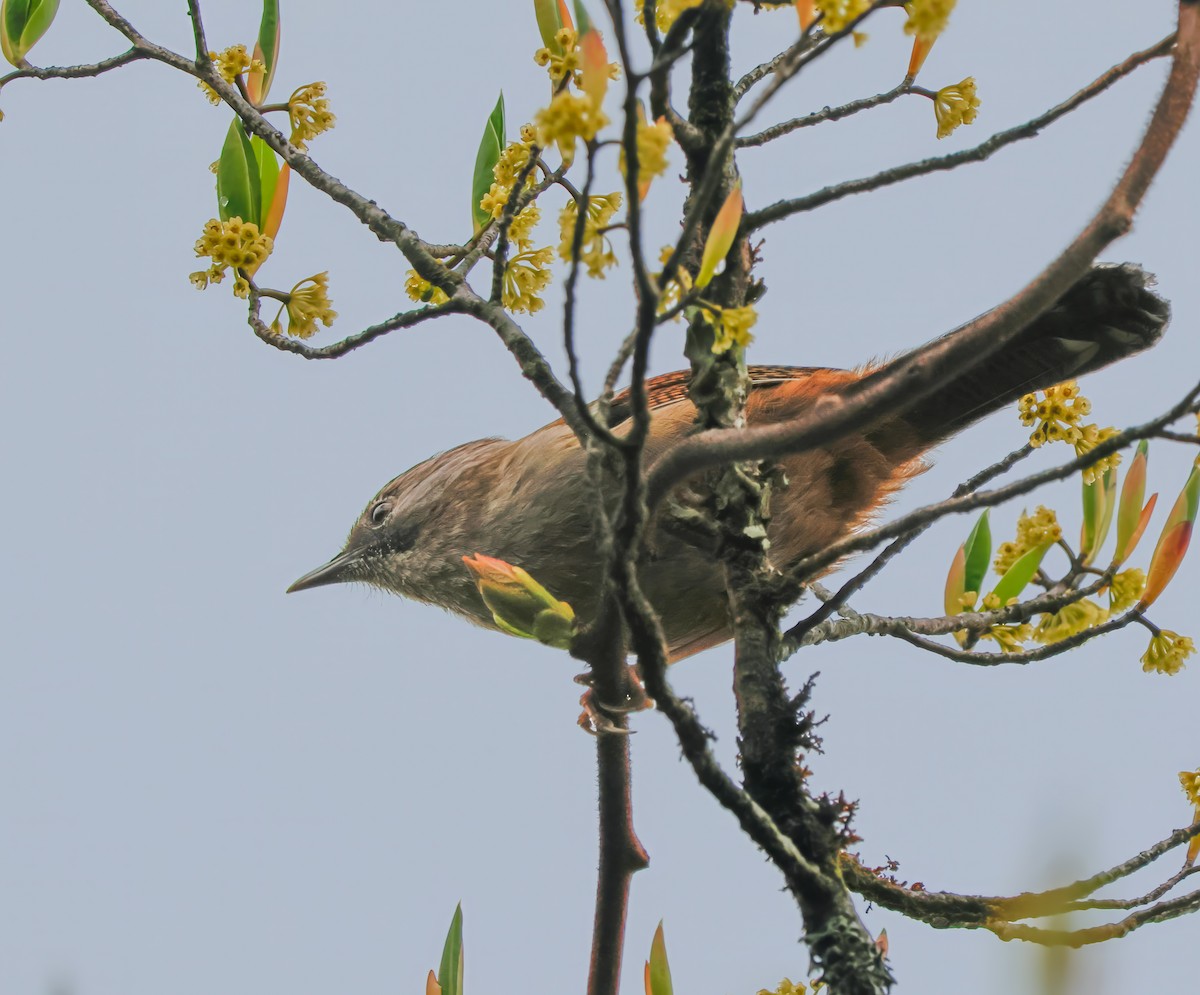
(1030,129)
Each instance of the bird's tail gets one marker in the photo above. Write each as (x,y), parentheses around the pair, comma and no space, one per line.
(1109,314)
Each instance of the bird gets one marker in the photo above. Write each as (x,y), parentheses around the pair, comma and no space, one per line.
(528,502)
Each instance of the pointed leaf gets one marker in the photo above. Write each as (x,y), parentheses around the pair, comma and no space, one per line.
(1139,529)
(490,147)
(807,13)
(955,584)
(238,192)
(431,985)
(268,177)
(564,15)
(450,974)
(1132,493)
(266,51)
(549,22)
(274,211)
(978,548)
(22,24)
(721,236)
(1173,542)
(1098,500)
(582,19)
(1018,576)
(920,51)
(1168,554)
(594,68)
(658,971)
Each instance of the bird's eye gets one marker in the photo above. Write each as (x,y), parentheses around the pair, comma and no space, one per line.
(379,513)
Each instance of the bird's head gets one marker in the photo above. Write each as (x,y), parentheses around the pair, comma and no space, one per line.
(412,535)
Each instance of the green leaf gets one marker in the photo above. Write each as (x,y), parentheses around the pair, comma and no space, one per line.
(266,51)
(549,22)
(238,191)
(658,971)
(450,973)
(583,23)
(490,147)
(22,24)
(268,176)
(978,552)
(1018,576)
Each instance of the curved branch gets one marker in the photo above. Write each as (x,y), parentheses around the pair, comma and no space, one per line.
(905,381)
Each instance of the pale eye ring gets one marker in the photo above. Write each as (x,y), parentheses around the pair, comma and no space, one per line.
(379,513)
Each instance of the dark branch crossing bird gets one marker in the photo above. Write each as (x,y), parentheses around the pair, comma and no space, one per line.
(529,501)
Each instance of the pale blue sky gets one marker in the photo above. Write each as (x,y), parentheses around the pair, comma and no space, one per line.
(210,787)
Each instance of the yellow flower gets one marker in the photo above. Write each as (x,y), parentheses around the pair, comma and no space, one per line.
(653,138)
(595,251)
(559,67)
(1010,637)
(1057,416)
(954,105)
(307,304)
(422,290)
(1125,589)
(927,18)
(1189,780)
(513,159)
(526,276)
(839,13)
(230,64)
(520,230)
(1089,437)
(232,244)
(1069,621)
(569,117)
(789,987)
(1032,531)
(1166,652)
(309,111)
(731,326)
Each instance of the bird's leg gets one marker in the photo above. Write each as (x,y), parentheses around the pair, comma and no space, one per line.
(595,717)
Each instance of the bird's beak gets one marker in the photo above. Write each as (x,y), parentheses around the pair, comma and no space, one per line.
(336,571)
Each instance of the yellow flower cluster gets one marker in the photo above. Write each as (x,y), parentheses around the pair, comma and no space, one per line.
(520,229)
(927,18)
(1058,416)
(422,291)
(1125,589)
(231,63)
(1166,652)
(307,304)
(1069,621)
(954,105)
(838,13)
(731,326)
(652,141)
(559,67)
(308,108)
(568,118)
(595,251)
(1189,780)
(525,277)
(1032,531)
(1010,637)
(1091,436)
(513,159)
(235,244)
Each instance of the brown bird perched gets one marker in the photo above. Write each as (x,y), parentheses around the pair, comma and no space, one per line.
(527,502)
